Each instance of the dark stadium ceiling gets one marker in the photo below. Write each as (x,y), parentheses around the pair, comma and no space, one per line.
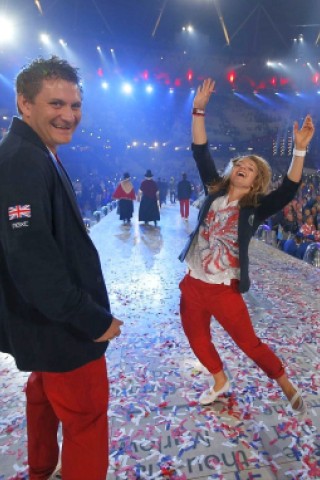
(248,27)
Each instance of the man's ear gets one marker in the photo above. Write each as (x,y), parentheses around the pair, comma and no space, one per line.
(23,105)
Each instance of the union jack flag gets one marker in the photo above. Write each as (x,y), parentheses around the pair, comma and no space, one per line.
(19,211)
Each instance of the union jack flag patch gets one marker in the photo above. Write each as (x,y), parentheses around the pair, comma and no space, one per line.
(19,211)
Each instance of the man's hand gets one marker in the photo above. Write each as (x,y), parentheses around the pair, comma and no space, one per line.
(112,332)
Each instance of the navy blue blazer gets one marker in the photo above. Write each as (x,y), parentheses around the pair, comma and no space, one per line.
(53,299)
(249,217)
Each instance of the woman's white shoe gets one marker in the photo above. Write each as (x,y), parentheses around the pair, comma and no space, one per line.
(300,412)
(210,395)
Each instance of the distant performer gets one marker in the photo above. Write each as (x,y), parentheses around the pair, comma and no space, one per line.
(184,195)
(217,253)
(172,190)
(163,189)
(149,200)
(125,195)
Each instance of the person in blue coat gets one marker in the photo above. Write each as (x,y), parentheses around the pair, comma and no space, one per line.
(217,252)
(55,315)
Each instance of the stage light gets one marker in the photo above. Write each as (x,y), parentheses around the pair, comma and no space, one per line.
(289,145)
(45,39)
(111,50)
(188,28)
(145,75)
(189,75)
(6,30)
(231,77)
(284,81)
(100,72)
(274,147)
(273,81)
(171,90)
(105,85)
(127,88)
(62,42)
(149,88)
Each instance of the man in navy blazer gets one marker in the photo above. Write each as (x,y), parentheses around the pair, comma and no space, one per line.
(55,316)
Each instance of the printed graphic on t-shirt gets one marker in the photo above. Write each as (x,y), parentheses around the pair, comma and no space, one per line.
(218,240)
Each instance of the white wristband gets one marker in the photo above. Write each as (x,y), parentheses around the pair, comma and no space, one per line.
(299,153)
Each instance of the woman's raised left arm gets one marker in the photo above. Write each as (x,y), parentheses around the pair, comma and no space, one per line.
(302,139)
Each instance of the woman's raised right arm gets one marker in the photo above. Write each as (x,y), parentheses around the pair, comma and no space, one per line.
(201,99)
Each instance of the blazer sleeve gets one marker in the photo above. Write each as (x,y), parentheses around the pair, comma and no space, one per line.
(277,199)
(205,164)
(33,257)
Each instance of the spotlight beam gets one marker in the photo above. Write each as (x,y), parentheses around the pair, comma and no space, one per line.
(244,22)
(38,5)
(274,27)
(159,17)
(101,15)
(222,23)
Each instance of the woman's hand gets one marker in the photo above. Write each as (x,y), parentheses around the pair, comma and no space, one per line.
(303,136)
(203,94)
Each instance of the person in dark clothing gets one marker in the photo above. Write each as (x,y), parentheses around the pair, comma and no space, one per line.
(184,195)
(55,316)
(172,190)
(287,229)
(163,191)
(303,245)
(291,245)
(149,200)
(290,224)
(125,195)
(217,252)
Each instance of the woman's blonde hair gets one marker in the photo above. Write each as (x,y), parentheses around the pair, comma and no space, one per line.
(260,185)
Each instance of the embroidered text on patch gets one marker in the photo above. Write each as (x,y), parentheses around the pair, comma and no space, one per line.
(20,224)
(19,211)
